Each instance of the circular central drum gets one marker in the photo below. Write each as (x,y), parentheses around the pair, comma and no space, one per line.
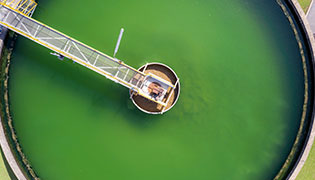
(171,96)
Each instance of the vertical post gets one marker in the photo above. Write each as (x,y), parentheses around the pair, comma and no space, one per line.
(118,41)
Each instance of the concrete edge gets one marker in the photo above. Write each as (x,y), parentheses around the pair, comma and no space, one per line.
(9,155)
(311,134)
(4,145)
(308,10)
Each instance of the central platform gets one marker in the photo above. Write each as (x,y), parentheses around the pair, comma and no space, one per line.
(161,86)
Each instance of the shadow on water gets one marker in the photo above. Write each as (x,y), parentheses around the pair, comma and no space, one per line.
(140,119)
(107,94)
(275,23)
(104,93)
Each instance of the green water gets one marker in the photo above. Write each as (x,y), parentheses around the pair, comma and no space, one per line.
(237,116)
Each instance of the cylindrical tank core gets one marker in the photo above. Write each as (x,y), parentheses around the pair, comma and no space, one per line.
(155,89)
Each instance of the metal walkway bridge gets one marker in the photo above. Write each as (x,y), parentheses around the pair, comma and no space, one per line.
(16,15)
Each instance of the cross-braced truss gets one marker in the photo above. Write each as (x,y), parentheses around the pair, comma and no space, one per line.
(14,14)
(26,7)
(68,47)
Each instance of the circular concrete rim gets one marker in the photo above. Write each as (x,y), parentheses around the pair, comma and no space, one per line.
(177,86)
(4,142)
(311,136)
(311,133)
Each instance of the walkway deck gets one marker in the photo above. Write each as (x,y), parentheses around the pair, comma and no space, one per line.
(16,18)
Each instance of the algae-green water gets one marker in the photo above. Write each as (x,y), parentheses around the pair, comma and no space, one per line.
(237,116)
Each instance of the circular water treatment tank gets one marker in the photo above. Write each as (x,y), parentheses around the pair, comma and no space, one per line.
(241,92)
(166,73)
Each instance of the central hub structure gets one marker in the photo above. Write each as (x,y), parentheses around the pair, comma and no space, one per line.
(160,90)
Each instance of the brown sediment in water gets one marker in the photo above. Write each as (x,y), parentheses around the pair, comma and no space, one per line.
(167,74)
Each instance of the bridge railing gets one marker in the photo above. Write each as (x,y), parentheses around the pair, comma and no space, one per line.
(68,47)
(26,7)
